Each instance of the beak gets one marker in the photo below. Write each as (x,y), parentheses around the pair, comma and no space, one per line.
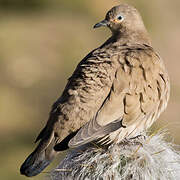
(102,23)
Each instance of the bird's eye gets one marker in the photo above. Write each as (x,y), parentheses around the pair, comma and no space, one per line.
(120,18)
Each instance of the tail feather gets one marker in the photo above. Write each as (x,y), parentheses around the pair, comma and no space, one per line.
(63,145)
(41,134)
(40,158)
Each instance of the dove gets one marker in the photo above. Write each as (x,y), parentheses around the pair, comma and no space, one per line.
(116,92)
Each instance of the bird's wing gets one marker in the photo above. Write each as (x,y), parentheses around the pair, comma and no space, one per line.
(137,93)
(82,97)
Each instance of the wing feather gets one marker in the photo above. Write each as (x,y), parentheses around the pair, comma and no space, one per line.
(132,102)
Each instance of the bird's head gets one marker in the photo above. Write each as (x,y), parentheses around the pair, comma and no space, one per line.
(122,19)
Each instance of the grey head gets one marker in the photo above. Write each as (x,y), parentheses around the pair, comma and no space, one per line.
(125,21)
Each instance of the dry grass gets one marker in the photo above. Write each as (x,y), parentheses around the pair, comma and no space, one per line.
(143,158)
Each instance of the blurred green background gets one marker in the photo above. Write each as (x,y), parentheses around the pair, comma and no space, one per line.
(41,42)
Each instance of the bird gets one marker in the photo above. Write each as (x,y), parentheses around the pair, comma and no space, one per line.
(116,92)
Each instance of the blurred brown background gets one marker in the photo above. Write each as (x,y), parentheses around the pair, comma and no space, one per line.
(41,42)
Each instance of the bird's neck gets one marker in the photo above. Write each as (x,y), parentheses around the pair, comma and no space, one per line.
(131,36)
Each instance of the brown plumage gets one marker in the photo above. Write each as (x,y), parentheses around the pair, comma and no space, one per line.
(117,91)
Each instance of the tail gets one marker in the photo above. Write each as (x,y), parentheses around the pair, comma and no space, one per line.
(40,158)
